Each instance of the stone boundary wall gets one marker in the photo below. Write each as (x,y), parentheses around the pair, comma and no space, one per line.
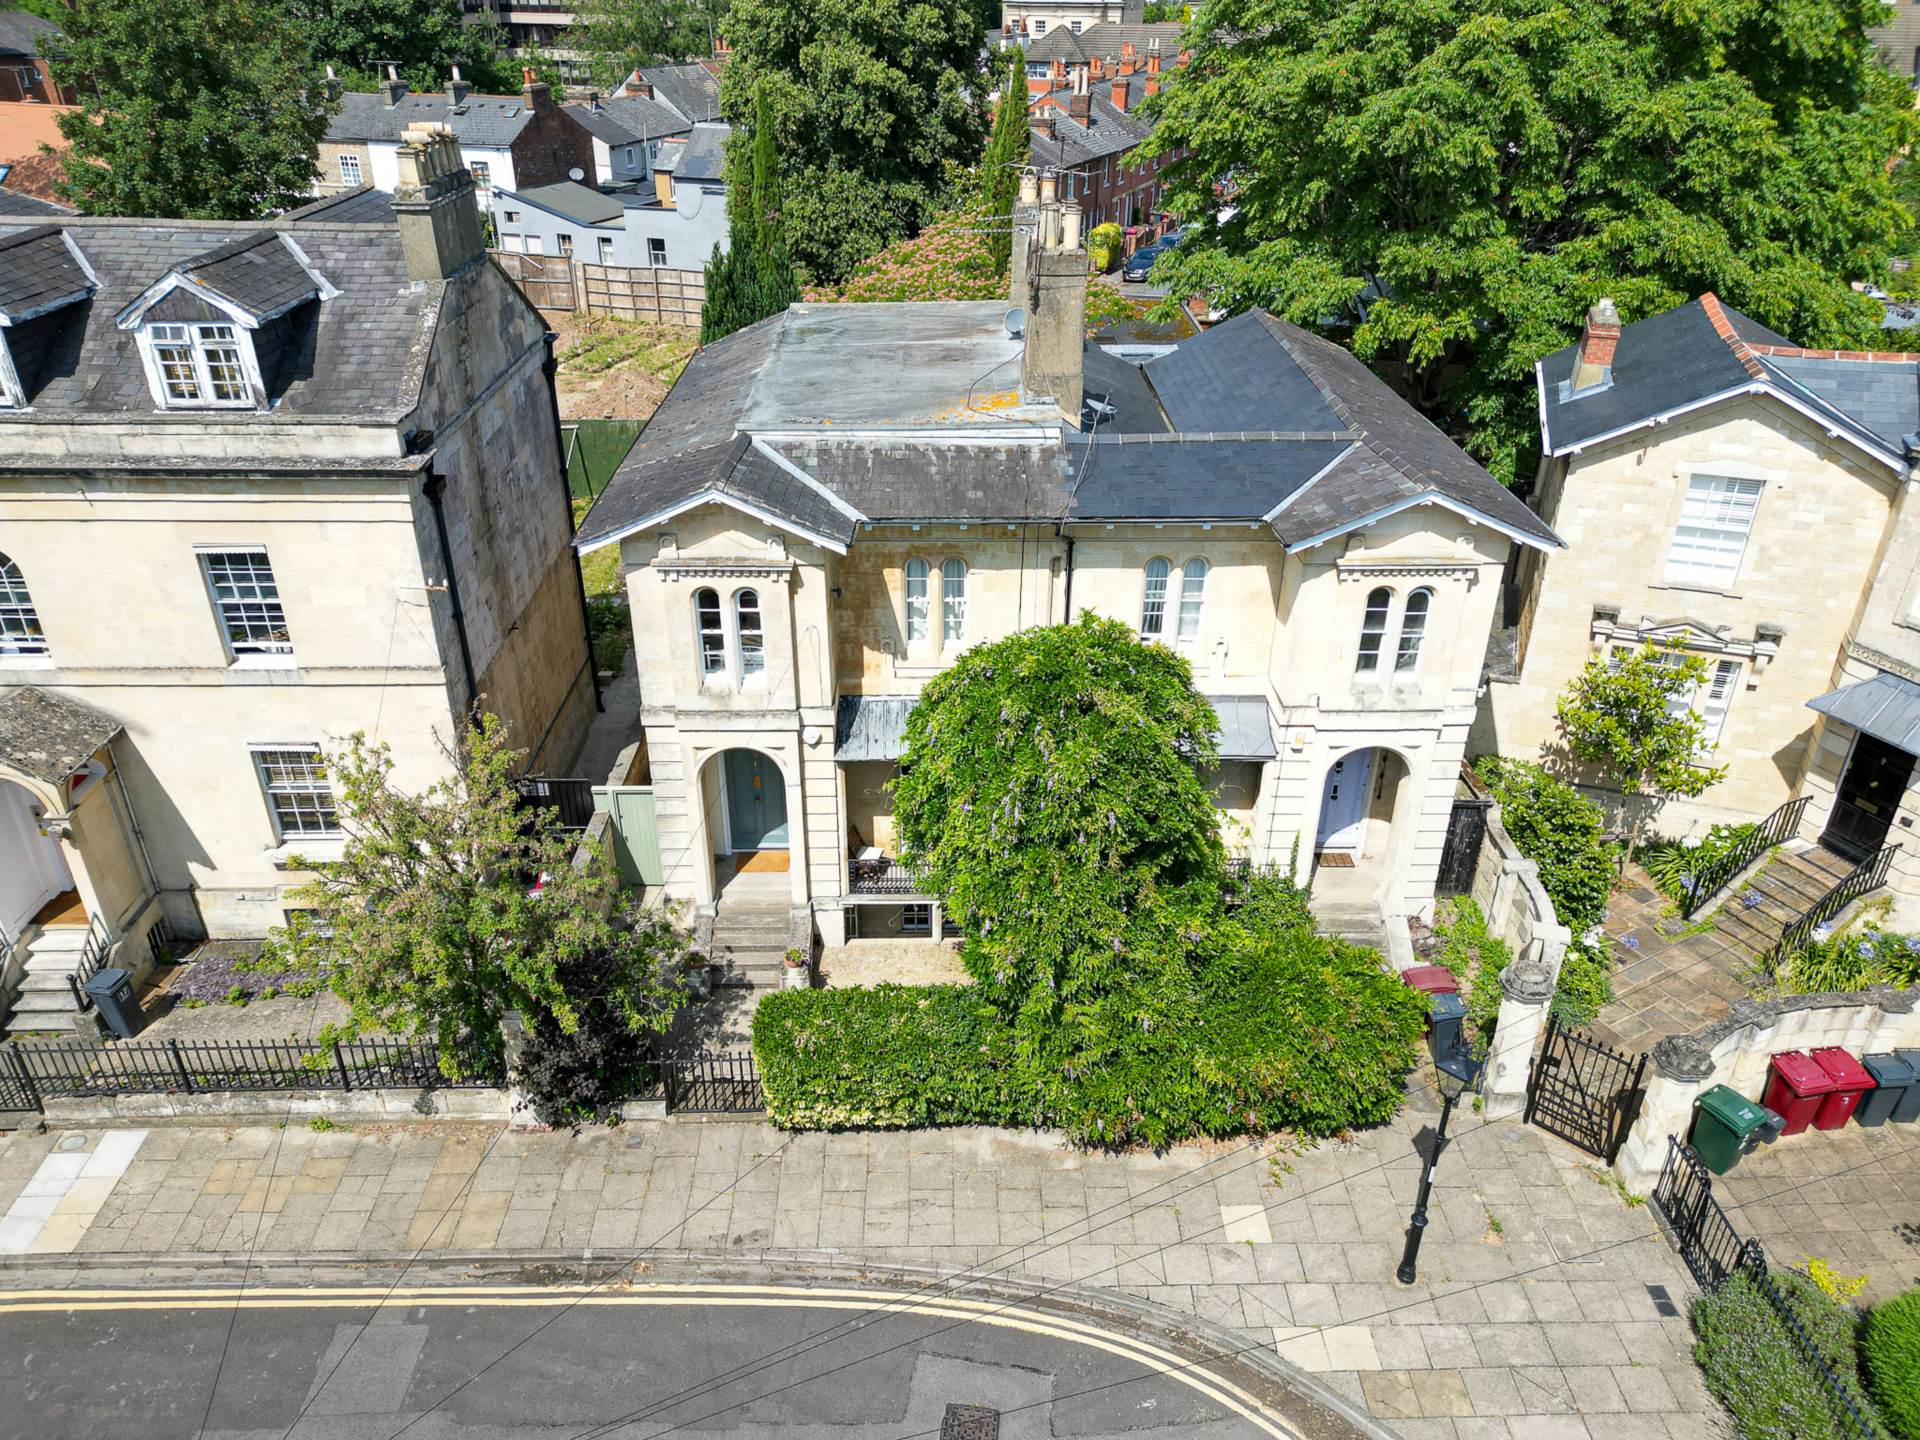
(1735,1050)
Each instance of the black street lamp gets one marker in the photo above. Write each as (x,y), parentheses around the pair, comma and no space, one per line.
(1458,1070)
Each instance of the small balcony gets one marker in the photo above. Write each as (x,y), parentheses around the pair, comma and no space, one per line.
(878,877)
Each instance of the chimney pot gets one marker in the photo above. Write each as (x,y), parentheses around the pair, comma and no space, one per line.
(457,88)
(1593,362)
(393,87)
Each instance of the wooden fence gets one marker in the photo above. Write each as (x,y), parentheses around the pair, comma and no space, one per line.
(657,295)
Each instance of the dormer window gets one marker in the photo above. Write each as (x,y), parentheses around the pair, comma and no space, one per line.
(199,365)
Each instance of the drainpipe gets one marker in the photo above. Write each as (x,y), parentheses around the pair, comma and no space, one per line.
(550,367)
(435,489)
(1068,620)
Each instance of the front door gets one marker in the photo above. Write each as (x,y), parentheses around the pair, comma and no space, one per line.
(1343,809)
(32,869)
(1870,791)
(756,802)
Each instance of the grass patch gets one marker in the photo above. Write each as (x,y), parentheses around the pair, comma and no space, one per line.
(605,344)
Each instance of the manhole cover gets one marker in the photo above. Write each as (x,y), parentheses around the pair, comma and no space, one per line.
(970,1422)
(75,1141)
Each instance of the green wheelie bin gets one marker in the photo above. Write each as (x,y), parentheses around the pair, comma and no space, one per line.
(1727,1125)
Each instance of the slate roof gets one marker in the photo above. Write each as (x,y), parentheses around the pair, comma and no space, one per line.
(480,122)
(259,272)
(1898,41)
(38,271)
(1886,707)
(1258,422)
(362,206)
(1704,349)
(1246,727)
(574,201)
(690,89)
(14,205)
(1105,40)
(1107,131)
(629,119)
(22,34)
(49,736)
(703,155)
(871,727)
(358,362)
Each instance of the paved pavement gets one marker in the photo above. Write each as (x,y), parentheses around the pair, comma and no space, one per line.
(1533,1315)
(517,1362)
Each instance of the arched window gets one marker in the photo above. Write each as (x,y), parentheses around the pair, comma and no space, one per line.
(1153,601)
(1373,629)
(746,616)
(953,601)
(1413,629)
(1193,589)
(918,610)
(712,634)
(20,632)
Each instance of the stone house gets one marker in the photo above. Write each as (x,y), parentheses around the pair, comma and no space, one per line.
(675,221)
(506,141)
(833,504)
(654,107)
(1022,21)
(262,486)
(1750,501)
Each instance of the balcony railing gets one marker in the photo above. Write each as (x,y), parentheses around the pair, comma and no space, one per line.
(881,877)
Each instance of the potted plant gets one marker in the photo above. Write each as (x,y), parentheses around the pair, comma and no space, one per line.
(699,977)
(799,975)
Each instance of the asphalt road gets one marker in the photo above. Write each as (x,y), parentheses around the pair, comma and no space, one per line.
(439,1360)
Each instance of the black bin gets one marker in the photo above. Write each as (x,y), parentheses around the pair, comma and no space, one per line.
(1891,1078)
(111,991)
(1445,1016)
(1908,1107)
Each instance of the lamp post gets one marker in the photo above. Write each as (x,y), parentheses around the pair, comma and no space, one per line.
(1457,1070)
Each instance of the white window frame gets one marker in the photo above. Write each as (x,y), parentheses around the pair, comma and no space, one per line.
(1366,658)
(22,636)
(482,172)
(1155,578)
(1716,511)
(1192,601)
(919,607)
(565,242)
(953,601)
(710,641)
(349,161)
(1407,661)
(198,339)
(1711,700)
(656,252)
(750,662)
(294,791)
(605,246)
(229,610)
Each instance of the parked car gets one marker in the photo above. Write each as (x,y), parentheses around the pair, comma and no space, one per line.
(1141,261)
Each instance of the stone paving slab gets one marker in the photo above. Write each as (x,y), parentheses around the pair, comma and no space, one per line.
(1532,1317)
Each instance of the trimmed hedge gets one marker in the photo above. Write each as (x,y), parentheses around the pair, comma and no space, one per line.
(1891,1350)
(1753,1366)
(891,1057)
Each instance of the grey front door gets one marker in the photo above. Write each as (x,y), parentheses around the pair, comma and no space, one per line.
(756,802)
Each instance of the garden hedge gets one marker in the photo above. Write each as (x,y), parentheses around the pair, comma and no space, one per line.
(1891,1349)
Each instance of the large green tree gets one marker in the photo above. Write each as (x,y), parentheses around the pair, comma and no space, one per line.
(615,36)
(1456,181)
(425,38)
(1008,148)
(871,105)
(451,906)
(190,110)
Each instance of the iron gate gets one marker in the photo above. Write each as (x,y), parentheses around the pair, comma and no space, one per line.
(1466,832)
(1584,1091)
(711,1083)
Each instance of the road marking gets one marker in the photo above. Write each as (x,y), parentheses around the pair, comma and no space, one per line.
(1147,1355)
(65,1194)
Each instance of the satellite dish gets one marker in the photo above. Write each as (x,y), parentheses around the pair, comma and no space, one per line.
(1016,322)
(576,173)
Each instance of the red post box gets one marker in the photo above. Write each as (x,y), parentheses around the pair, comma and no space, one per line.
(1851,1082)
(1796,1086)
(1431,980)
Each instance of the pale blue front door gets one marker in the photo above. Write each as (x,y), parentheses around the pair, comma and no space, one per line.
(756,802)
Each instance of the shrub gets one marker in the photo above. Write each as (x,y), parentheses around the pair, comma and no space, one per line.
(1854,962)
(1753,1366)
(889,1057)
(1891,1350)
(1673,864)
(1103,246)
(951,259)
(1476,956)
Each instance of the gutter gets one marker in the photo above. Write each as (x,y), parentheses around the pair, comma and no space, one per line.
(550,367)
(435,489)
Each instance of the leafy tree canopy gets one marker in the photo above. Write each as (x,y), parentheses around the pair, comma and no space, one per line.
(871,105)
(616,36)
(425,38)
(189,110)
(753,277)
(1008,148)
(430,924)
(1458,180)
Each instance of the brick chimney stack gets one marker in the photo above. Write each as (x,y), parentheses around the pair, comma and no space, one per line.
(435,204)
(458,89)
(638,84)
(393,87)
(1057,71)
(1593,362)
(1098,66)
(1151,88)
(1053,358)
(1128,61)
(1118,95)
(534,91)
(1153,57)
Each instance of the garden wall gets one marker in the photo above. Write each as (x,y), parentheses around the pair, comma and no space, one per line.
(1507,888)
(1734,1051)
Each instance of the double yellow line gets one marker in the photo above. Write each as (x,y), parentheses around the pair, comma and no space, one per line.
(1148,1356)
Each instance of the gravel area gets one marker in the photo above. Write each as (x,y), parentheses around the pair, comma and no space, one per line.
(904,962)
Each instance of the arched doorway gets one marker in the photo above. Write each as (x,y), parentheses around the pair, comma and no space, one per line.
(748,827)
(33,870)
(1360,804)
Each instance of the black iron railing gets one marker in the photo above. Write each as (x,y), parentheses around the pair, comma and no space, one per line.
(93,957)
(1869,875)
(880,877)
(65,1071)
(1713,877)
(1714,1252)
(570,796)
(710,1083)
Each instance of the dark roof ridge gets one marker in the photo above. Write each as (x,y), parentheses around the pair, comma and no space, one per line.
(1203,436)
(23,236)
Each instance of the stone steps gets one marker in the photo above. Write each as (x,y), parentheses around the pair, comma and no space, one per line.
(1787,888)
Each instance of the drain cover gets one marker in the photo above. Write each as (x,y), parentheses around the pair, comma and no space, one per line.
(73,1141)
(1662,1302)
(970,1422)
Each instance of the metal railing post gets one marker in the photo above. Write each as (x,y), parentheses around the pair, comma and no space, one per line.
(340,1064)
(180,1064)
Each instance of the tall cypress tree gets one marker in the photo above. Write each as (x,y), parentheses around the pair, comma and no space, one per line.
(1006,151)
(754,278)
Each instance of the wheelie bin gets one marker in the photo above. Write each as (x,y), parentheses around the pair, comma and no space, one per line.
(1851,1083)
(1891,1077)
(1795,1087)
(1726,1125)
